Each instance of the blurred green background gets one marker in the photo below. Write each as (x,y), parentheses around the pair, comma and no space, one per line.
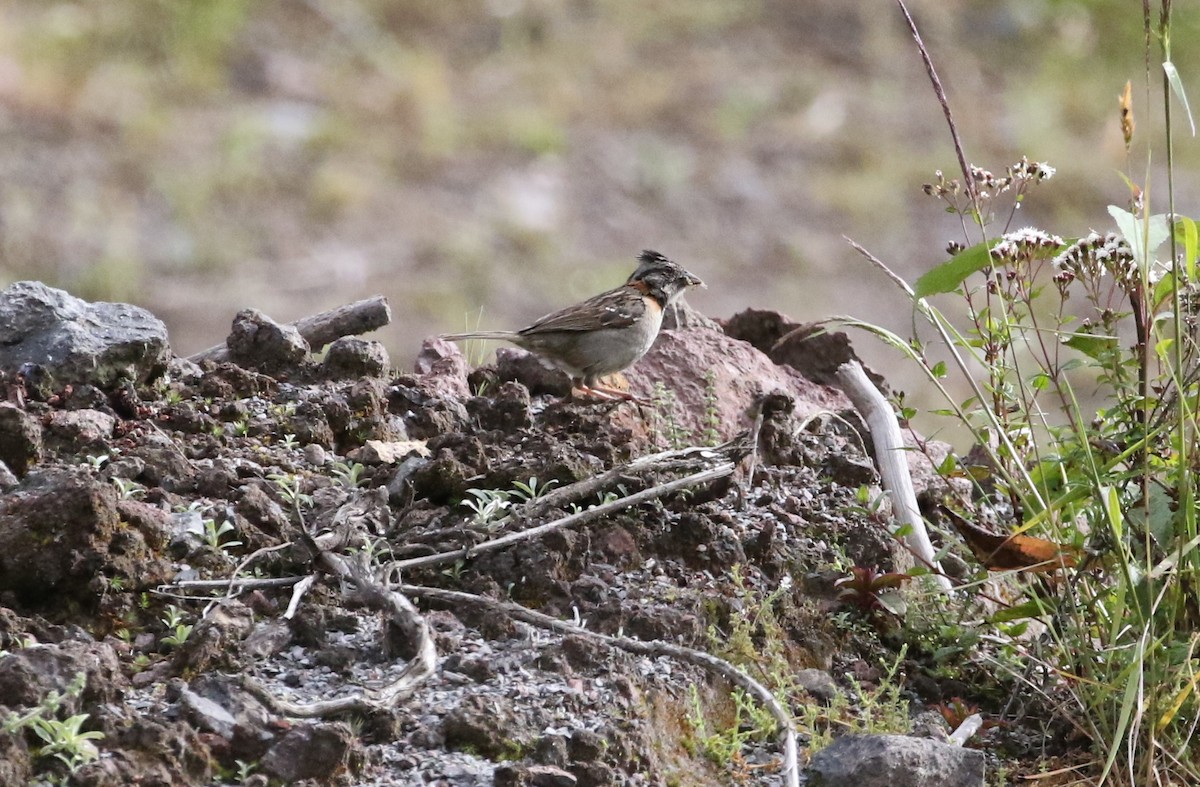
(484,161)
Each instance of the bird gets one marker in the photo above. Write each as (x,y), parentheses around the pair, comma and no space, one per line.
(605,333)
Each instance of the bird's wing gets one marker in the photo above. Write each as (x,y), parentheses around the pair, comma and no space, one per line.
(612,309)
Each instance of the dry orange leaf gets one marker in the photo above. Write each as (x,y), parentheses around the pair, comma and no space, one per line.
(1013,552)
(1127,123)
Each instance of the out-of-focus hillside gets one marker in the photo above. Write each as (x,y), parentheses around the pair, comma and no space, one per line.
(484,161)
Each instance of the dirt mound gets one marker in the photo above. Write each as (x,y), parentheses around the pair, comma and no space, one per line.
(131,503)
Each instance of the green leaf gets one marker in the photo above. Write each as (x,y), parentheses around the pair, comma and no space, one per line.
(1164,290)
(1095,347)
(1177,86)
(893,602)
(1144,236)
(1188,237)
(948,465)
(1030,609)
(1156,516)
(947,276)
(1112,506)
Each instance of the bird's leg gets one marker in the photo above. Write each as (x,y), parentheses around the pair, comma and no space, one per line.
(609,394)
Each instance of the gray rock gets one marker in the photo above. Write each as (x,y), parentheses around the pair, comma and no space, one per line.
(258,342)
(77,429)
(818,683)
(20,438)
(894,761)
(8,481)
(308,752)
(206,714)
(76,341)
(349,357)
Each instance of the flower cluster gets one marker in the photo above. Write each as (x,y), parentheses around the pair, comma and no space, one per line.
(1031,171)
(1026,243)
(1094,256)
(941,187)
(989,185)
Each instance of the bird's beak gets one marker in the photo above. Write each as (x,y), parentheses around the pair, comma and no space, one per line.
(694,281)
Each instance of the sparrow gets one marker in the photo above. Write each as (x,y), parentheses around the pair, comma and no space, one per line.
(607,332)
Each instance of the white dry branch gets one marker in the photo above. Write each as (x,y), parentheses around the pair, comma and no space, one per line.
(891,456)
(719,666)
(387,598)
(695,479)
(404,618)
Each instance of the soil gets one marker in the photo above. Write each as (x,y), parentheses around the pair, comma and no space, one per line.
(118,497)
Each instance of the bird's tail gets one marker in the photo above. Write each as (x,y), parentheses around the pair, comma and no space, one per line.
(502,336)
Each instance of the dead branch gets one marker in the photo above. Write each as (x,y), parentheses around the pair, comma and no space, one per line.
(890,455)
(402,616)
(665,461)
(324,328)
(719,666)
(653,493)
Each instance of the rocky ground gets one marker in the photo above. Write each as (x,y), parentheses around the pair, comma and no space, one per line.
(131,476)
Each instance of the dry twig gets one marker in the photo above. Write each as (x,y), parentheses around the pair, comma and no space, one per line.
(719,666)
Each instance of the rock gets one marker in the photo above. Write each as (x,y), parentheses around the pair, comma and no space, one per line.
(76,341)
(268,638)
(349,357)
(79,430)
(60,535)
(506,409)
(258,342)
(16,761)
(430,405)
(713,382)
(20,438)
(308,752)
(29,675)
(487,727)
(894,761)
(213,700)
(378,452)
(8,480)
(205,714)
(526,368)
(213,640)
(818,683)
(513,775)
(807,348)
(442,368)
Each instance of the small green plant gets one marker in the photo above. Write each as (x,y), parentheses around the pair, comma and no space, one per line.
(348,474)
(214,533)
(97,462)
(63,739)
(177,630)
(532,490)
(128,490)
(289,489)
(488,506)
(241,427)
(492,506)
(750,722)
(284,411)
(666,416)
(872,591)
(712,413)
(289,441)
(66,741)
